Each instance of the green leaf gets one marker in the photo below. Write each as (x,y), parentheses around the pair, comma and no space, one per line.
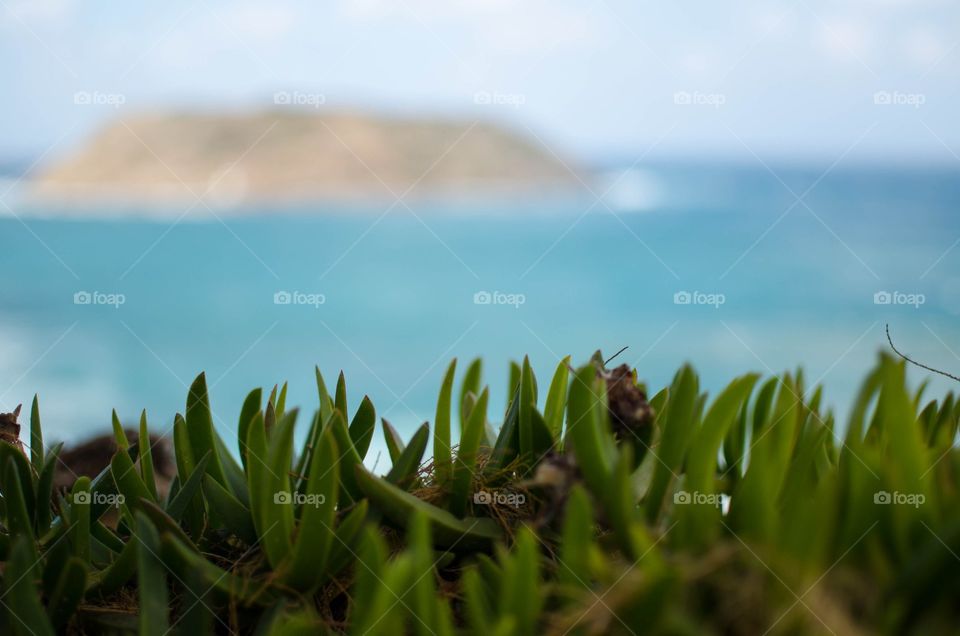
(467,452)
(340,401)
(128,480)
(362,426)
(471,384)
(45,489)
(281,403)
(442,455)
(520,595)
(237,589)
(200,427)
(573,564)
(478,610)
(279,515)
(19,522)
(699,523)
(557,399)
(177,506)
(236,518)
(251,406)
(146,457)
(326,404)
(393,440)
(122,442)
(193,517)
(346,537)
(423,606)
(36,436)
(308,557)
(348,457)
(115,576)
(68,593)
(508,441)
(679,424)
(513,384)
(151,579)
(22,599)
(588,433)
(403,473)
(21,465)
(528,402)
(258,478)
(80,519)
(399,506)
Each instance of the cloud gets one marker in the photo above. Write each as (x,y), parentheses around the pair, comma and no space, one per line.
(259,22)
(505,26)
(36,13)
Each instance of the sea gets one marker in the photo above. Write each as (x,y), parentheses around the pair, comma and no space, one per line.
(732,269)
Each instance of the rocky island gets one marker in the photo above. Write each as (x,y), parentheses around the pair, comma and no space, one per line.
(297,156)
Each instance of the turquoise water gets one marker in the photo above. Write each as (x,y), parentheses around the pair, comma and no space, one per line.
(797,288)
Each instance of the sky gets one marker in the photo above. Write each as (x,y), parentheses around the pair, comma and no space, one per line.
(604,80)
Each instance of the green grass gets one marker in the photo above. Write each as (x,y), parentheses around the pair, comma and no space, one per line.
(748,512)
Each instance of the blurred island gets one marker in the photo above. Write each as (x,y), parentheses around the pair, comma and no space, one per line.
(283,156)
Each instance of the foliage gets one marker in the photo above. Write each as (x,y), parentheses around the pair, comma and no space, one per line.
(746,513)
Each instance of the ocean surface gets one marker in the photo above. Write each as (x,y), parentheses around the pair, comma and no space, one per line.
(732,269)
